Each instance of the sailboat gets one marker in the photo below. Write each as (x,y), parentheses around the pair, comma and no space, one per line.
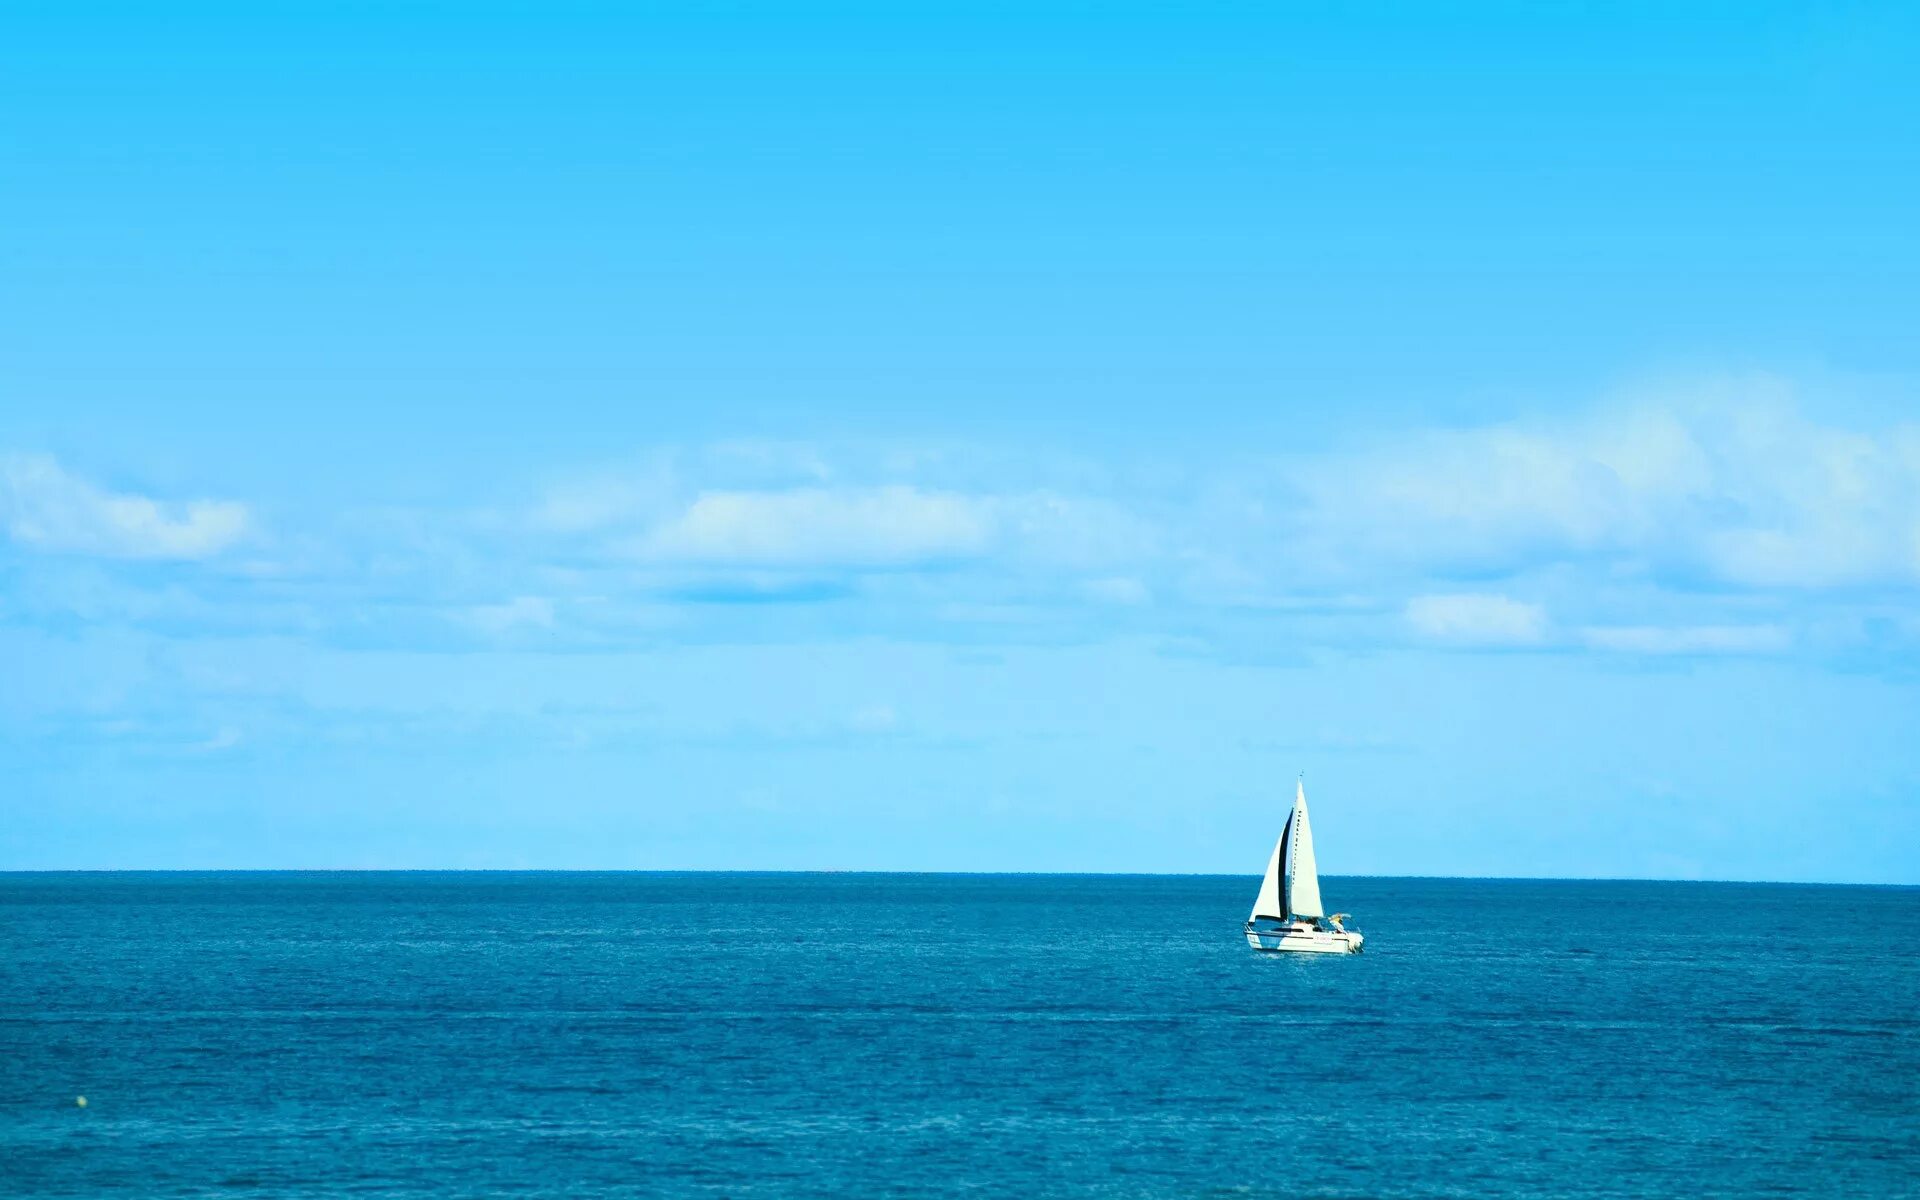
(1288,915)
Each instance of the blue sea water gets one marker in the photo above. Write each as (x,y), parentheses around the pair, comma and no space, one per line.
(623,1034)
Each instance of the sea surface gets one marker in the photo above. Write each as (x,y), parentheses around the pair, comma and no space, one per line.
(583,1035)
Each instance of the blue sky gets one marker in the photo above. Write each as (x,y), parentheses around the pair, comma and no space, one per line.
(990,436)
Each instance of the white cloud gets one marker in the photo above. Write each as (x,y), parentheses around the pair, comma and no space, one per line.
(1623,522)
(1477,619)
(659,482)
(1119,589)
(1068,532)
(858,527)
(586,506)
(1691,639)
(535,611)
(1728,483)
(878,718)
(45,507)
(224,738)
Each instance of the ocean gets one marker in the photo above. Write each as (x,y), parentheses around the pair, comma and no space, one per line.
(663,1034)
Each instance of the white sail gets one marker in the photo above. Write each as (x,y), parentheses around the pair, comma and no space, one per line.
(1269,903)
(1303,890)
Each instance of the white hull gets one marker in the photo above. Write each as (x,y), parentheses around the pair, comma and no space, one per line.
(1305,941)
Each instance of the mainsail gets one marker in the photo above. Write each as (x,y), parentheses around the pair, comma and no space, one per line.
(1291,886)
(1303,892)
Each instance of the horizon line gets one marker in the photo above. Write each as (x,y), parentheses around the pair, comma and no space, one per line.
(5,871)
